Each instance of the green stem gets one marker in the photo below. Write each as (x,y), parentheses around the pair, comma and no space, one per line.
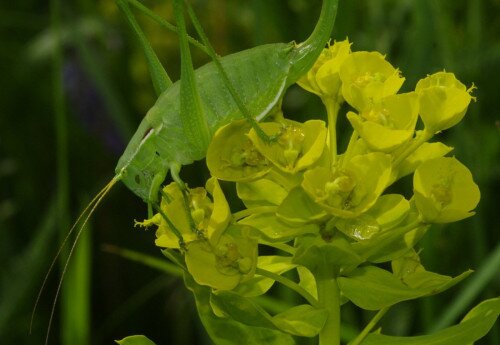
(417,142)
(290,284)
(361,336)
(280,246)
(350,147)
(329,299)
(254,210)
(332,111)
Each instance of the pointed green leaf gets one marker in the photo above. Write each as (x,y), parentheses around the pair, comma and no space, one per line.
(474,326)
(275,230)
(337,253)
(226,331)
(135,340)
(386,289)
(302,320)
(241,309)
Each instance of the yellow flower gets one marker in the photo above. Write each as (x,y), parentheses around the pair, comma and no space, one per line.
(387,124)
(367,78)
(443,101)
(444,190)
(323,78)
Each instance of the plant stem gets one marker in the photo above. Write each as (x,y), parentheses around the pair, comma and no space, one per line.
(361,336)
(329,299)
(332,110)
(350,147)
(418,141)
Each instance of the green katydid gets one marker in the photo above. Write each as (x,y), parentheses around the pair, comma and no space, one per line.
(176,131)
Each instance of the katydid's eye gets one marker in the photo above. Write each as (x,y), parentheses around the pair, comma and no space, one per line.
(137,179)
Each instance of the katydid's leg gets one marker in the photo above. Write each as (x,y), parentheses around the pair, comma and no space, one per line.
(159,76)
(162,22)
(210,50)
(153,203)
(174,171)
(191,110)
(154,191)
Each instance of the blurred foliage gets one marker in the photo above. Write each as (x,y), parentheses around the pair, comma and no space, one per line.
(107,91)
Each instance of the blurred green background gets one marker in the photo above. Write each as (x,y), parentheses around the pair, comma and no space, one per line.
(69,103)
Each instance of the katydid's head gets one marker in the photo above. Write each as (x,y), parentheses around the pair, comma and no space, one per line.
(141,164)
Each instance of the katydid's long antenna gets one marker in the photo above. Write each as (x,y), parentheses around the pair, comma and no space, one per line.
(59,251)
(92,206)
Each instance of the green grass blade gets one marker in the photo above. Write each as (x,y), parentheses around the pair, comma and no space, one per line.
(75,297)
(147,260)
(160,78)
(26,270)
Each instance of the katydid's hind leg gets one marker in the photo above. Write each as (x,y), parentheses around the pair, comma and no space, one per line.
(192,116)
(160,78)
(210,50)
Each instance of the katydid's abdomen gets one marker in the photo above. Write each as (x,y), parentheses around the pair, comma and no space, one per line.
(259,75)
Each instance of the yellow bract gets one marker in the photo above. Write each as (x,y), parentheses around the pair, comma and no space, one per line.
(444,190)
(323,78)
(298,145)
(443,101)
(388,123)
(367,78)
(349,191)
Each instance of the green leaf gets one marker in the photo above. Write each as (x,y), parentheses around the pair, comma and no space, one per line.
(225,331)
(386,289)
(412,273)
(337,253)
(474,326)
(275,230)
(302,320)
(241,309)
(135,340)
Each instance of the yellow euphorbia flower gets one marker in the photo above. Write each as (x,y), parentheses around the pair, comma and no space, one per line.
(443,101)
(387,124)
(349,191)
(444,190)
(323,78)
(210,216)
(367,78)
